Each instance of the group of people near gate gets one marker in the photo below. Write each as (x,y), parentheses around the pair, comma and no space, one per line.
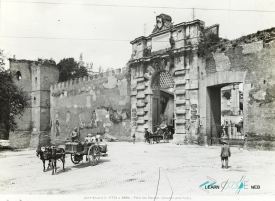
(88,139)
(229,124)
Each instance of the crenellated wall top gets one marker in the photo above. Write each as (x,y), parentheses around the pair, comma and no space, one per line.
(99,76)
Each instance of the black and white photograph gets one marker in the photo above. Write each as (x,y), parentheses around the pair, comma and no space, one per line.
(137,100)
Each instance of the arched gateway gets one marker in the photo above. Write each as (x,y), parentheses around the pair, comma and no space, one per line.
(162,85)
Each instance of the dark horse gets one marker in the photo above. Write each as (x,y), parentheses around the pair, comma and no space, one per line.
(44,156)
(57,154)
(51,154)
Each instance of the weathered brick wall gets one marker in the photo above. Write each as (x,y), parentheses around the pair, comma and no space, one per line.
(253,64)
(96,104)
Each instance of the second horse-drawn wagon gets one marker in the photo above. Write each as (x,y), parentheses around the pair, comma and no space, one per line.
(163,132)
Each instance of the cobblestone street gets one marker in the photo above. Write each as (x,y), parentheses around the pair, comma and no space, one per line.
(141,169)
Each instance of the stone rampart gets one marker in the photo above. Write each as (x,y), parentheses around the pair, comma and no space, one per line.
(98,104)
(250,60)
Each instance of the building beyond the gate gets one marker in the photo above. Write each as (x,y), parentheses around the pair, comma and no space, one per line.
(176,75)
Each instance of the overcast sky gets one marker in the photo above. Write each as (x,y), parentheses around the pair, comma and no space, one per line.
(102,31)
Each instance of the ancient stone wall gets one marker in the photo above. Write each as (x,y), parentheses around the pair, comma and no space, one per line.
(96,104)
(35,79)
(250,60)
(21,137)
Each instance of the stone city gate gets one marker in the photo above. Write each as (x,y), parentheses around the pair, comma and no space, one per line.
(164,78)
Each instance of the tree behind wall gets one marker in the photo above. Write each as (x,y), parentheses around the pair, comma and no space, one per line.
(70,69)
(13,102)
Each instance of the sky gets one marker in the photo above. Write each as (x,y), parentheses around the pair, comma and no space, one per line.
(102,30)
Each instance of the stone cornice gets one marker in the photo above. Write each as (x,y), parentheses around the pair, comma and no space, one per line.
(164,54)
(175,27)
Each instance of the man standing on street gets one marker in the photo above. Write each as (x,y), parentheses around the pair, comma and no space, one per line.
(134,138)
(225,153)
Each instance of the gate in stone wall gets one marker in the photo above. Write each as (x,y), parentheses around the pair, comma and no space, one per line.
(162,99)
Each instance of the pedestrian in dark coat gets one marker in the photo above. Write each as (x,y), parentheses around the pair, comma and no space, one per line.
(225,153)
(134,138)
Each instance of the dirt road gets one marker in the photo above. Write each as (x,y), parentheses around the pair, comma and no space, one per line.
(142,169)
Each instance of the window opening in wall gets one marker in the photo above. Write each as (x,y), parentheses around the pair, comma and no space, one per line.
(18,75)
(35,80)
(34,99)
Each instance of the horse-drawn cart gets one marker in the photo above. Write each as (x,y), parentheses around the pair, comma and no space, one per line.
(163,132)
(92,151)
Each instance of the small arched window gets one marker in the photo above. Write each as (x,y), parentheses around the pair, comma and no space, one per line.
(35,80)
(18,75)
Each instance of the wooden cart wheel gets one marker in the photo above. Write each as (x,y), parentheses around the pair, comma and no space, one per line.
(94,155)
(74,161)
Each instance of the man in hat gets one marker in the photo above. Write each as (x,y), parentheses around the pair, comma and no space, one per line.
(74,134)
(225,153)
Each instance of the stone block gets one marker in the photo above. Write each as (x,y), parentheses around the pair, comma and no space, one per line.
(181,72)
(140,104)
(133,93)
(180,91)
(140,113)
(179,102)
(146,126)
(141,87)
(180,121)
(141,96)
(140,121)
(181,81)
(180,111)
(140,79)
(148,92)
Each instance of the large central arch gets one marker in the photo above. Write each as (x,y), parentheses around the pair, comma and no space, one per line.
(162,109)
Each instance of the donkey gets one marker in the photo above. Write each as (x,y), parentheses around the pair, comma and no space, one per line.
(57,154)
(44,156)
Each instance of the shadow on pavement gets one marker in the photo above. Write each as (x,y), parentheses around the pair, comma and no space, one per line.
(104,160)
(61,171)
(82,165)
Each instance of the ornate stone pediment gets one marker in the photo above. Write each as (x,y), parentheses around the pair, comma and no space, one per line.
(163,22)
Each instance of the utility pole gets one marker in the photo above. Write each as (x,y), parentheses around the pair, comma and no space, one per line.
(193,14)
(144,30)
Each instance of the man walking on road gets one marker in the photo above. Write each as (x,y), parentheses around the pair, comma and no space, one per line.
(225,153)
